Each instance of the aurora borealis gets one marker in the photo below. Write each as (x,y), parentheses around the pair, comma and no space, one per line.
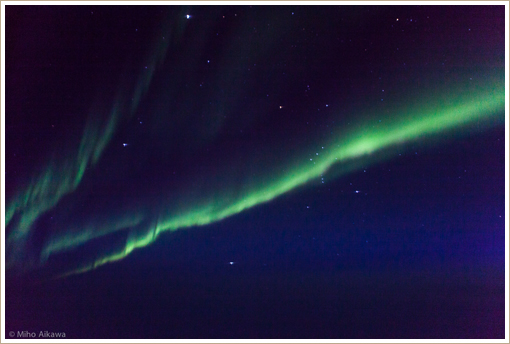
(126,125)
(215,208)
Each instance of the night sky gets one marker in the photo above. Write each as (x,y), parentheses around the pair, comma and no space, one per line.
(255,171)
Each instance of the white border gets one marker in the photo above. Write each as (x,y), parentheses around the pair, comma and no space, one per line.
(5,339)
(236,2)
(507,169)
(2,170)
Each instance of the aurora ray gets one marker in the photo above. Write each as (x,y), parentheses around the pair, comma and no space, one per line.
(484,108)
(232,182)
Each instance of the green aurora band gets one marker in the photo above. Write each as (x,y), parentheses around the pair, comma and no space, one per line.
(480,107)
(484,108)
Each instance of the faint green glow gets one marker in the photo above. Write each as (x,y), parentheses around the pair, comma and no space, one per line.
(60,178)
(366,140)
(457,108)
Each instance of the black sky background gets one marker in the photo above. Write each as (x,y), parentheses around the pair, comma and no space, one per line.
(417,252)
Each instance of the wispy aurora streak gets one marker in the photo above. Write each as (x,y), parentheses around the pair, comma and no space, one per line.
(422,123)
(62,177)
(418,118)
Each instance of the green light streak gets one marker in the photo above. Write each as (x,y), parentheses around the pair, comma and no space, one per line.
(422,122)
(62,177)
